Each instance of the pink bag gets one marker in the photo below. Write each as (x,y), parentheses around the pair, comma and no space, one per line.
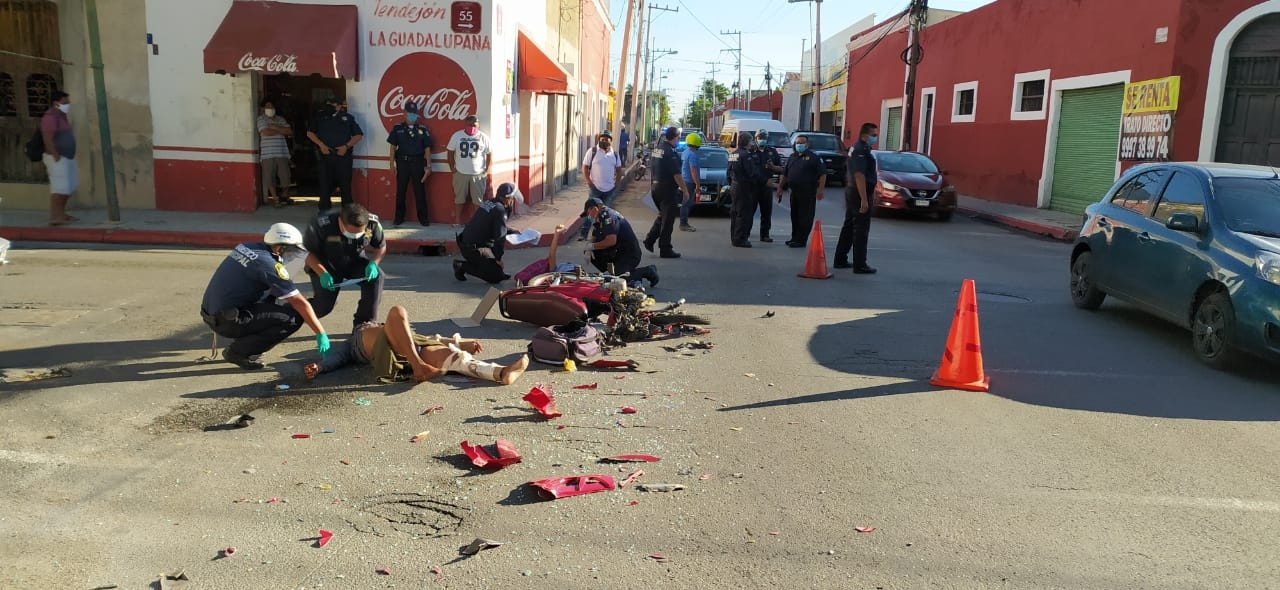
(534,269)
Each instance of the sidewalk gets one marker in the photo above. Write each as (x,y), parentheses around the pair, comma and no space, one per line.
(1055,224)
(151,227)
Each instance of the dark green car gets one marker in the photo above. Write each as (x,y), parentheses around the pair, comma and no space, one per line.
(1196,244)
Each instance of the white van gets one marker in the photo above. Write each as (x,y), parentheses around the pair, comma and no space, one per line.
(778,133)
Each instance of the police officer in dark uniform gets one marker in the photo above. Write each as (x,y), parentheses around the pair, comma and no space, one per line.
(614,244)
(483,240)
(860,186)
(773,165)
(335,133)
(346,244)
(750,176)
(244,299)
(411,159)
(668,193)
(806,176)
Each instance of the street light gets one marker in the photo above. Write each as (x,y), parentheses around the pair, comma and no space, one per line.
(817,57)
(654,56)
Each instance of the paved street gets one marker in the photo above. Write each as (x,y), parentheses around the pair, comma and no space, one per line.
(1104,456)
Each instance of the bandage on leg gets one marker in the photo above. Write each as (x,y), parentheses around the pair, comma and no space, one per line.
(465,363)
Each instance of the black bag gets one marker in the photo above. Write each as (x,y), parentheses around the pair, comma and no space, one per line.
(35,147)
(576,340)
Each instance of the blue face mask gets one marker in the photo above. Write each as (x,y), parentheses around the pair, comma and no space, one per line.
(874,139)
(411,117)
(800,147)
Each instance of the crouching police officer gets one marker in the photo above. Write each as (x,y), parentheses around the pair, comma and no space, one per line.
(483,241)
(750,179)
(615,244)
(243,299)
(346,244)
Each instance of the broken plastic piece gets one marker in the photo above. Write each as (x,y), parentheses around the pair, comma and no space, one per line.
(659,557)
(421,436)
(659,487)
(634,503)
(282,387)
(383,571)
(431,410)
(229,551)
(705,477)
(564,487)
(608,364)
(325,537)
(864,529)
(541,399)
(587,386)
(328,431)
(628,410)
(475,547)
(631,459)
(273,501)
(361,401)
(480,457)
(301,435)
(631,478)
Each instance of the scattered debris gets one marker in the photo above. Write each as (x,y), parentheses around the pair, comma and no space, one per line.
(325,486)
(328,431)
(431,410)
(630,459)
(325,537)
(282,387)
(542,400)
(273,501)
(693,345)
(421,436)
(705,477)
(637,474)
(480,457)
(249,471)
(383,571)
(627,410)
(775,533)
(619,376)
(736,428)
(301,435)
(587,386)
(438,572)
(700,331)
(634,503)
(659,487)
(344,461)
(577,485)
(26,375)
(767,314)
(751,375)
(864,529)
(361,401)
(475,547)
(660,558)
(569,365)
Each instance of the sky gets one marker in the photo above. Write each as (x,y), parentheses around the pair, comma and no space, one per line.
(772,32)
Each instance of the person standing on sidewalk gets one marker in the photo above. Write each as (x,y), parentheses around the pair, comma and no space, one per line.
(59,157)
(690,171)
(470,156)
(335,133)
(411,160)
(603,170)
(860,185)
(667,190)
(346,244)
(773,165)
(624,142)
(806,176)
(273,149)
(750,178)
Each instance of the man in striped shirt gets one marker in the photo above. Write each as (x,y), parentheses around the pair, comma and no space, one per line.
(274,155)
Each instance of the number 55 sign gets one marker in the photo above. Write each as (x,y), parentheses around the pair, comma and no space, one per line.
(466,17)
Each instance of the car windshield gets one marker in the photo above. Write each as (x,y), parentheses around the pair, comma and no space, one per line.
(713,158)
(1250,205)
(826,143)
(776,139)
(900,162)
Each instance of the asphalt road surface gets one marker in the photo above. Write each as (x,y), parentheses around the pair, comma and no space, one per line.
(1104,455)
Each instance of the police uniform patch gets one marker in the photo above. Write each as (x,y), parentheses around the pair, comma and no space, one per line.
(281,271)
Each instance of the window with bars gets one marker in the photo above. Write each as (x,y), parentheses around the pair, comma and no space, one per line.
(1032,94)
(30,71)
(40,88)
(8,100)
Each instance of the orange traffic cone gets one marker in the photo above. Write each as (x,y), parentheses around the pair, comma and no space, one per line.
(961,366)
(816,266)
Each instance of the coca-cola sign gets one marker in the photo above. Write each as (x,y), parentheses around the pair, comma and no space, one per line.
(280,63)
(438,85)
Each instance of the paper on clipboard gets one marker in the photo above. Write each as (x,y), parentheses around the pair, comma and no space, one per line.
(528,236)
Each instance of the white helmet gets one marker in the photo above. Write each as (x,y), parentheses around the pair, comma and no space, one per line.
(283,233)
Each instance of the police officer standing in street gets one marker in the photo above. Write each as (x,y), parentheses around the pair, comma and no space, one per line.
(411,159)
(750,177)
(335,134)
(860,186)
(346,244)
(244,299)
(773,165)
(806,176)
(668,193)
(483,240)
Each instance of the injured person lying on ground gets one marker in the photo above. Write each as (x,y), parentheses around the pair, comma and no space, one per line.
(397,353)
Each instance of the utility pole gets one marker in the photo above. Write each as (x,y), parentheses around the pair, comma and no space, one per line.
(738,51)
(648,65)
(635,77)
(104,122)
(768,86)
(919,13)
(622,71)
(817,59)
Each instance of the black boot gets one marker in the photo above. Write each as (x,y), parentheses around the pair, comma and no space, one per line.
(650,273)
(457,271)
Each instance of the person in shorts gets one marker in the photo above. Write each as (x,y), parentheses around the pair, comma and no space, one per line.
(59,157)
(470,156)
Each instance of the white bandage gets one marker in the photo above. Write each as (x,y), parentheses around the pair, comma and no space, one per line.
(463,362)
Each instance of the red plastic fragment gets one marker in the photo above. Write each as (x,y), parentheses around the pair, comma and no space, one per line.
(634,503)
(383,571)
(229,551)
(631,478)
(325,537)
(577,485)
(587,386)
(541,399)
(273,500)
(658,556)
(628,410)
(431,410)
(480,457)
(301,435)
(632,458)
(705,476)
(560,427)
(864,529)
(608,364)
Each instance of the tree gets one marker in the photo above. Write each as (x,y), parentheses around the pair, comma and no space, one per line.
(712,93)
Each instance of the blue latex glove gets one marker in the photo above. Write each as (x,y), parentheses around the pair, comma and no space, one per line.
(326,281)
(371,271)
(322,343)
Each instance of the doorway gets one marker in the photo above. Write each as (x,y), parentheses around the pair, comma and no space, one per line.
(1249,132)
(297,98)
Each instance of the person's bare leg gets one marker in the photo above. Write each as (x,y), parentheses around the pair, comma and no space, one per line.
(514,370)
(58,209)
(400,335)
(457,214)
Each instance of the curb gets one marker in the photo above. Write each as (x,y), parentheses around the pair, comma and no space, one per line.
(176,238)
(1035,227)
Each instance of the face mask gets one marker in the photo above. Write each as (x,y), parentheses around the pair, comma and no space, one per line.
(65,107)
(352,235)
(411,117)
(269,112)
(800,147)
(291,255)
(471,130)
(874,139)
(604,145)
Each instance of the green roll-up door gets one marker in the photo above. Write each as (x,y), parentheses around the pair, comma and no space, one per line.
(893,135)
(1084,164)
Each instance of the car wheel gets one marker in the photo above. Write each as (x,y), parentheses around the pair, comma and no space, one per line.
(945,215)
(1213,329)
(1085,294)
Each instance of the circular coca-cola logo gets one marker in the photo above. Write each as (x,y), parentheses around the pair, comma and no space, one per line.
(440,87)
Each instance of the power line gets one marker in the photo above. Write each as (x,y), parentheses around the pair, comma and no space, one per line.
(708,29)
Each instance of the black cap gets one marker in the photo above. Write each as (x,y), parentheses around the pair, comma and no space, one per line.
(592,202)
(411,107)
(606,133)
(472,119)
(671,133)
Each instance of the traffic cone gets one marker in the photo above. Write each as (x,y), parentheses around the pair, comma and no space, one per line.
(816,266)
(961,366)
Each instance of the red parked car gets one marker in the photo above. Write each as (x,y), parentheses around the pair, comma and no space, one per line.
(912,183)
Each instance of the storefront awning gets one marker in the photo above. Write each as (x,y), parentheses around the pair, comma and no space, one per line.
(538,72)
(285,38)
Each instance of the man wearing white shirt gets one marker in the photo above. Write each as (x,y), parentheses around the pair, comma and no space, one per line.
(469,159)
(602,167)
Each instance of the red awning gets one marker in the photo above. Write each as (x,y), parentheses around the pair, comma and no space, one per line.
(537,72)
(285,38)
